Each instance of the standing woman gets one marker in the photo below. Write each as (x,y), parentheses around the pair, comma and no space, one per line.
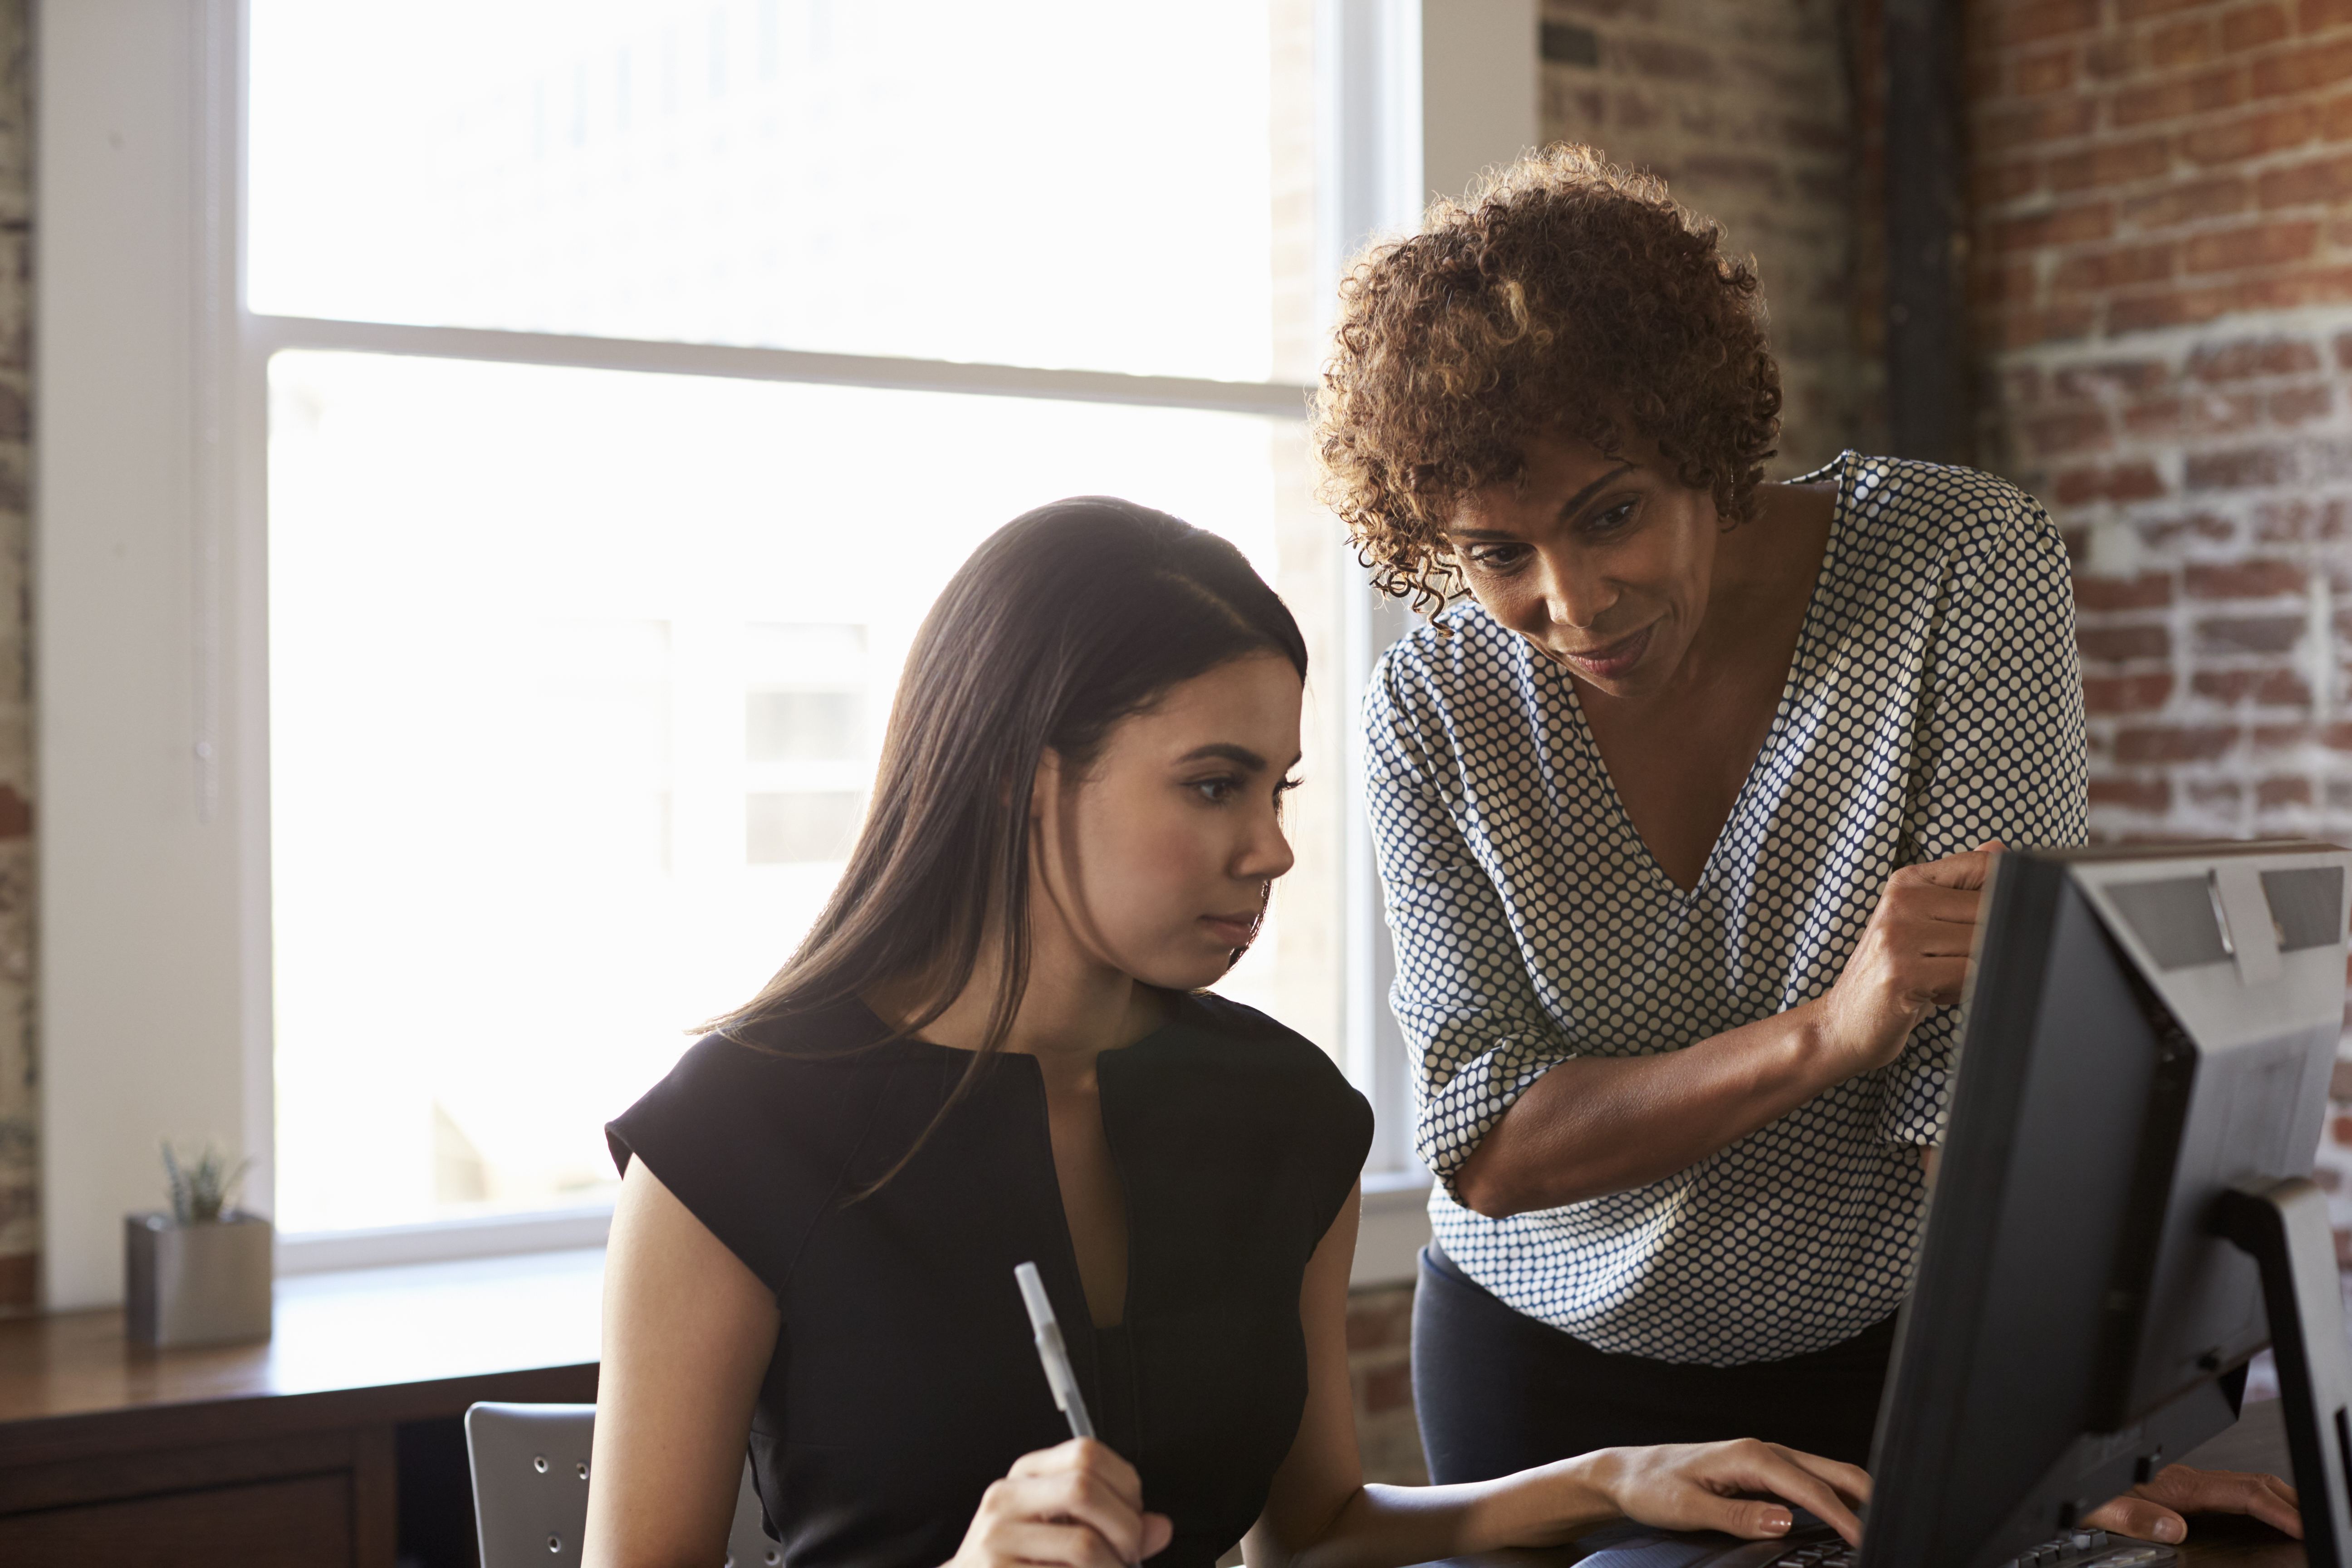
(1681,816)
(992,1049)
(1683,819)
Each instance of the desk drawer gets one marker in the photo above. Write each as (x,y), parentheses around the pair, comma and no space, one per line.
(304,1523)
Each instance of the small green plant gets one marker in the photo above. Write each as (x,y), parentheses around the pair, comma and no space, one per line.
(204,1187)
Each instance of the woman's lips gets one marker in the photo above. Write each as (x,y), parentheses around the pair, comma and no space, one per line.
(1613,660)
(1232,931)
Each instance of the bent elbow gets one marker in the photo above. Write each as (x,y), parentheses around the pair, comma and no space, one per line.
(1484,1191)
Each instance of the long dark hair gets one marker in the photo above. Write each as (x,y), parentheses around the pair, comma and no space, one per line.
(1064,621)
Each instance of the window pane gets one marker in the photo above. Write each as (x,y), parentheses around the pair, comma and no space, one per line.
(577,684)
(1061,182)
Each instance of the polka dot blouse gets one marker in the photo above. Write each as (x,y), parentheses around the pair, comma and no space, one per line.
(1934,703)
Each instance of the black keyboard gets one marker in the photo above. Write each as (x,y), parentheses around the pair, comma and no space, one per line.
(2082,1549)
(1813,1546)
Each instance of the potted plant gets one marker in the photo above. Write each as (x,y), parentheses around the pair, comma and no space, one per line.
(201,1274)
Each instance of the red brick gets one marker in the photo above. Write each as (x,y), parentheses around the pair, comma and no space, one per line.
(2126,693)
(2122,482)
(2255,244)
(2148,591)
(2311,16)
(2224,794)
(2200,526)
(1670,61)
(2065,226)
(2290,289)
(2246,357)
(2300,404)
(2083,430)
(2206,93)
(2251,136)
(2336,118)
(2153,795)
(2251,26)
(2202,414)
(2240,469)
(2250,633)
(2251,579)
(2317,180)
(2293,521)
(2185,43)
(2118,645)
(2040,19)
(2301,70)
(2107,57)
(2263,688)
(2141,10)
(2020,385)
(2189,201)
(2049,72)
(2273,792)
(2061,323)
(2109,376)
(2043,119)
(2099,271)
(2167,308)
(2111,163)
(2175,743)
(1990,184)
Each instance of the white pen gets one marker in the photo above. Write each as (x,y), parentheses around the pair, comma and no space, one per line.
(1050,1349)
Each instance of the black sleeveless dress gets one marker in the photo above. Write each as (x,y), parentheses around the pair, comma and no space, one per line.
(904,1380)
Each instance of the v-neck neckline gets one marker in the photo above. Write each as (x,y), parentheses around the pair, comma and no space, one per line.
(1808,633)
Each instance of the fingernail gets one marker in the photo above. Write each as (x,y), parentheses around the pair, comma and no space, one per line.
(1778,1523)
(2169,1530)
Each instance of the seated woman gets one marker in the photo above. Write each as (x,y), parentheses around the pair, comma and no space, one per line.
(1683,812)
(994,1049)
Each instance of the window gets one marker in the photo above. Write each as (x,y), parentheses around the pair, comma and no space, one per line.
(493,457)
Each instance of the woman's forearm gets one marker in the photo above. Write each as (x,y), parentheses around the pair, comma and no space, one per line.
(1387,1527)
(1595,1125)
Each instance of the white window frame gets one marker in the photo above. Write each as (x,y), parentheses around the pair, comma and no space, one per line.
(150,551)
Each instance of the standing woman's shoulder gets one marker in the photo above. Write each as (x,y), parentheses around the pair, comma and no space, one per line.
(1952,511)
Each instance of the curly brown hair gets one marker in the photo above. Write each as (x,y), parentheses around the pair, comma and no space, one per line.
(1563,295)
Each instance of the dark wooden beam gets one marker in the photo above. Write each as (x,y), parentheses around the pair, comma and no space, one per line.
(1928,380)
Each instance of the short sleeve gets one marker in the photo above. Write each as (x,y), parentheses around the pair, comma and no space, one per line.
(1462,995)
(756,1143)
(2001,755)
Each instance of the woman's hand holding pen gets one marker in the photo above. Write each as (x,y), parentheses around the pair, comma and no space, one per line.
(1077,1504)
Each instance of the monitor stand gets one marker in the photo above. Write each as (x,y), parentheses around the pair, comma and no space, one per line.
(2284,1226)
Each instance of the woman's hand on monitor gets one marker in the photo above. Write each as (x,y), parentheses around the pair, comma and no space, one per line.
(1712,1485)
(2157,1511)
(1075,1505)
(1913,958)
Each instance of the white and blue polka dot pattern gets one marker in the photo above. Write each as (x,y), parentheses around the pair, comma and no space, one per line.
(1934,702)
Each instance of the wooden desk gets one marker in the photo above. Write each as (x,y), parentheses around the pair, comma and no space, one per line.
(278,1453)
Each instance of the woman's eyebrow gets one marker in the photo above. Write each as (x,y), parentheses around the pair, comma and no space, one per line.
(1226,751)
(1575,503)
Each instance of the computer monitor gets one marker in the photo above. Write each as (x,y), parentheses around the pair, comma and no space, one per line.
(2144,1067)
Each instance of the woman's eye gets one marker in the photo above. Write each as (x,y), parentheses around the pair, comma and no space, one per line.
(1495,557)
(1614,518)
(1216,791)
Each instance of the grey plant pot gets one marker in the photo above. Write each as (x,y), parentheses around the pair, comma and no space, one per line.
(202,1284)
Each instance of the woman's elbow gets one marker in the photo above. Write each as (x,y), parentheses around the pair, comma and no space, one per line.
(1485,1186)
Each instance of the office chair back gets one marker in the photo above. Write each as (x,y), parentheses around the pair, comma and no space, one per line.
(530,1489)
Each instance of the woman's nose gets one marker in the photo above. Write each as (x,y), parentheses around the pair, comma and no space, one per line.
(1267,855)
(1574,598)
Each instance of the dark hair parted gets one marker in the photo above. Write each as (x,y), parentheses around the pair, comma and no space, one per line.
(1064,621)
(1562,295)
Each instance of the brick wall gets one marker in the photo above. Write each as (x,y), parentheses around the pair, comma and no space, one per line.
(2162,306)
(1379,1369)
(19,1154)
(1743,107)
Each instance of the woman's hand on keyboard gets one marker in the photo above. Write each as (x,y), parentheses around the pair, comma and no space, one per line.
(1709,1485)
(2155,1512)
